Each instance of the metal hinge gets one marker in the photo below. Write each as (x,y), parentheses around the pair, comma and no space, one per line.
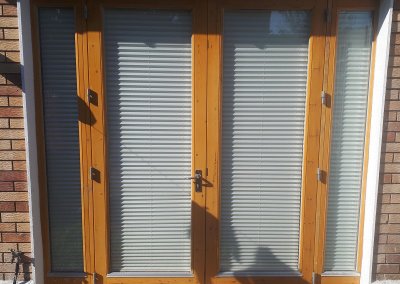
(313,278)
(319,174)
(94,174)
(92,97)
(85,11)
(94,277)
(324,96)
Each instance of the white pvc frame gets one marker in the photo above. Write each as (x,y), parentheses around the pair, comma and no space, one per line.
(375,139)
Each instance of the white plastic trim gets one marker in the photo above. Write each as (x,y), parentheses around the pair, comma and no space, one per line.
(378,106)
(25,37)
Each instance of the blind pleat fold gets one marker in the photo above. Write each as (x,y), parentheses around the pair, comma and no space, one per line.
(347,143)
(59,91)
(264,93)
(148,77)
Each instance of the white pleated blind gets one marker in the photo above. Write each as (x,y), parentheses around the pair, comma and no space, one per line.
(264,94)
(148,76)
(354,39)
(59,91)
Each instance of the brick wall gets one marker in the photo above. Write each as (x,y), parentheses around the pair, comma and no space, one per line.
(14,216)
(387,247)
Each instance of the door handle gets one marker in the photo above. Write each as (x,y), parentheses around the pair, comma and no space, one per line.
(197,179)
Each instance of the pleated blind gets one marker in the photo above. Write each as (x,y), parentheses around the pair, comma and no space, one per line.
(59,91)
(148,73)
(354,39)
(264,93)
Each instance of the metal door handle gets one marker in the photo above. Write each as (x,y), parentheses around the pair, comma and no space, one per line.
(198,179)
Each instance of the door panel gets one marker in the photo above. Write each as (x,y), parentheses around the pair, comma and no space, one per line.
(60,107)
(343,156)
(261,159)
(149,120)
(63,123)
(354,38)
(263,114)
(150,125)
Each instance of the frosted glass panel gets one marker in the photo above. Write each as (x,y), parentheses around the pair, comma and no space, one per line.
(148,77)
(264,94)
(60,105)
(354,41)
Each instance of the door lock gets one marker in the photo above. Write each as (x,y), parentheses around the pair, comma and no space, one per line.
(197,179)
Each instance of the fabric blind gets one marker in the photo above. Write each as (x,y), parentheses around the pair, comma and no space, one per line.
(264,93)
(148,67)
(59,91)
(354,41)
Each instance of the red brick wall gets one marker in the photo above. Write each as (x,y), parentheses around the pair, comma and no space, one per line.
(14,216)
(387,246)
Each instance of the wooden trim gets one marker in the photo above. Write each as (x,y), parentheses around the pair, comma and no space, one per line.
(141,280)
(199,134)
(310,164)
(366,146)
(98,140)
(340,280)
(40,138)
(88,192)
(149,4)
(324,136)
(83,133)
(267,4)
(258,280)
(312,141)
(214,110)
(326,121)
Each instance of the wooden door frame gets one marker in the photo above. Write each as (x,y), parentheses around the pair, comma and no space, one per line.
(84,133)
(335,7)
(99,134)
(210,71)
(311,143)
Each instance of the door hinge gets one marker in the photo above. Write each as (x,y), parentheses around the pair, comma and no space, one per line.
(324,96)
(319,175)
(92,97)
(313,278)
(94,174)
(85,11)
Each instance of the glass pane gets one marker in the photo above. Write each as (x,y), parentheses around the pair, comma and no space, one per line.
(149,95)
(264,96)
(354,41)
(57,51)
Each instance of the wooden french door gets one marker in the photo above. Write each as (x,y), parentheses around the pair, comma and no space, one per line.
(147,69)
(256,70)
(207,142)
